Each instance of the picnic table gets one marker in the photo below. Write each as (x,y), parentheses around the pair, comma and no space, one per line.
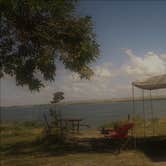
(73,122)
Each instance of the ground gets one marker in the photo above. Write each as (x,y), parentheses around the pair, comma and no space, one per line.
(23,145)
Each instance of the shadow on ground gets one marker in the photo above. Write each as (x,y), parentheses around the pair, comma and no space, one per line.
(51,147)
(153,147)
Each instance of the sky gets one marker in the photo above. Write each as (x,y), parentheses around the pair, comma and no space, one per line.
(132,37)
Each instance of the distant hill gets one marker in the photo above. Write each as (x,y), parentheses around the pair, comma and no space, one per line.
(113,100)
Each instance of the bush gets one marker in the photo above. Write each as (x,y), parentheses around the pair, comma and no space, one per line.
(53,131)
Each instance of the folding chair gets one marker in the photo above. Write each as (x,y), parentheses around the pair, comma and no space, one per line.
(119,135)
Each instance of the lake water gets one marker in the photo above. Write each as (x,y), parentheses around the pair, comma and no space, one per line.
(94,114)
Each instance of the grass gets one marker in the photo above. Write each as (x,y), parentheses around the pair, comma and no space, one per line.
(83,159)
(158,124)
(23,144)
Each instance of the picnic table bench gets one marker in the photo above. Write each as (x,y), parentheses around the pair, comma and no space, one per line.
(73,122)
(66,123)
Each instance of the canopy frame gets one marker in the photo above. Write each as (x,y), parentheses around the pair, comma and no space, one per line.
(152,83)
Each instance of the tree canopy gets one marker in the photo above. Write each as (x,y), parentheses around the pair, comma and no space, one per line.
(35,34)
(57,97)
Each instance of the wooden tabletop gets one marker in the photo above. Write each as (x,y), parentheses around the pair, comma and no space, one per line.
(69,119)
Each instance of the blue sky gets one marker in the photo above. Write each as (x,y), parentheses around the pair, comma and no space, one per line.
(118,24)
(132,37)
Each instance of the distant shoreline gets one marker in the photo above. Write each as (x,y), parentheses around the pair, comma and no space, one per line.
(116,100)
(113,100)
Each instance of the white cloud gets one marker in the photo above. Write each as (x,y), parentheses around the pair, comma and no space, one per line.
(149,64)
(108,81)
(97,87)
(103,70)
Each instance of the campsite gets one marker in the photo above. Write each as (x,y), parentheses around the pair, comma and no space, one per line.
(118,142)
(82,83)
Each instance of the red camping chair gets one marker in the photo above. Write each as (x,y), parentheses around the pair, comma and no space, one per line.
(120,134)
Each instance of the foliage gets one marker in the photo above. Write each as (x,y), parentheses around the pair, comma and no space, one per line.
(17,128)
(53,131)
(57,97)
(52,128)
(36,34)
(54,117)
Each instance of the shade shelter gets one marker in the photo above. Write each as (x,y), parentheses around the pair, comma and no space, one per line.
(151,83)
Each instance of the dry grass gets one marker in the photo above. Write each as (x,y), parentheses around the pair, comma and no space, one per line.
(22,145)
(81,159)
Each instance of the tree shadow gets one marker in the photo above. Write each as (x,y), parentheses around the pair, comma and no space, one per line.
(52,147)
(154,147)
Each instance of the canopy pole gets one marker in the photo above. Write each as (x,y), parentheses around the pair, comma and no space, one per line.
(133,101)
(152,113)
(133,114)
(143,109)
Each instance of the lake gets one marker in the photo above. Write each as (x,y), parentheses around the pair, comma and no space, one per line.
(94,114)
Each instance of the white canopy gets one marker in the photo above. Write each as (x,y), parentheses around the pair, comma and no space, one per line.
(155,82)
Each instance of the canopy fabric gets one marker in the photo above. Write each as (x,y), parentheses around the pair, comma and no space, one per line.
(155,82)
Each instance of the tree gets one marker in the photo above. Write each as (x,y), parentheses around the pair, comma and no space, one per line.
(35,34)
(57,97)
